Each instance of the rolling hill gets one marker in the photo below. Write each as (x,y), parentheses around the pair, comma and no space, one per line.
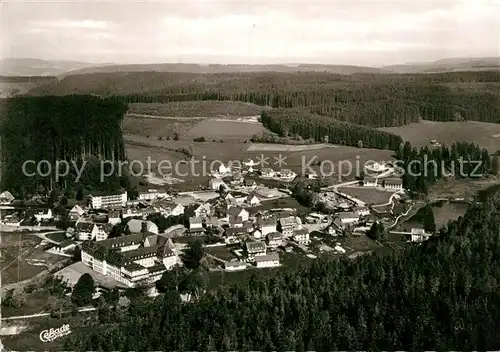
(39,67)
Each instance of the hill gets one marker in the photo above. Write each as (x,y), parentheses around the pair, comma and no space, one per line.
(448,65)
(216,68)
(39,67)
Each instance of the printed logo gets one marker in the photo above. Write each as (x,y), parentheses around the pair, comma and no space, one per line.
(53,334)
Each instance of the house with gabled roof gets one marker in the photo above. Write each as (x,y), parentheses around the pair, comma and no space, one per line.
(274,239)
(203,210)
(85,230)
(238,212)
(266,225)
(76,213)
(253,249)
(252,200)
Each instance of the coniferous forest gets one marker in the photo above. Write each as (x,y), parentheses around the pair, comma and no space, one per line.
(376,100)
(442,295)
(72,128)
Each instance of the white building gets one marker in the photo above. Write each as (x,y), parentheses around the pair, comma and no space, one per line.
(6,198)
(172,209)
(44,216)
(238,212)
(287,225)
(102,232)
(370,182)
(114,217)
(266,225)
(75,213)
(419,235)
(85,230)
(301,236)
(132,259)
(235,266)
(152,194)
(252,200)
(203,210)
(109,201)
(393,183)
(195,223)
(254,249)
(274,239)
(267,261)
(348,217)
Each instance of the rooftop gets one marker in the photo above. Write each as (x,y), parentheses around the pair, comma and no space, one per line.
(267,258)
(348,215)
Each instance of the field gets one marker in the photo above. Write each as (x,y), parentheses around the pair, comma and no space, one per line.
(456,188)
(369,195)
(57,236)
(156,127)
(20,253)
(220,252)
(212,108)
(210,129)
(262,147)
(486,135)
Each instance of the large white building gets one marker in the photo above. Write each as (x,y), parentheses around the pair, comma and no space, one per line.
(132,259)
(152,194)
(267,261)
(109,201)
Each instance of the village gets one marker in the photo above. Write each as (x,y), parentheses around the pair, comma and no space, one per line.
(242,223)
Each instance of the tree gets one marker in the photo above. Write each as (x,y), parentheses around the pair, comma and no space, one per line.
(194,283)
(53,198)
(176,136)
(495,165)
(64,201)
(58,305)
(79,194)
(377,231)
(171,279)
(83,290)
(429,222)
(192,255)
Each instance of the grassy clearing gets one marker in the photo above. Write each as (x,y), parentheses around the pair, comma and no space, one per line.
(213,129)
(367,194)
(156,128)
(264,147)
(420,134)
(197,109)
(221,252)
(460,188)
(57,236)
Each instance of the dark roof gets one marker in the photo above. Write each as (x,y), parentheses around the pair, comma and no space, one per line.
(133,267)
(274,236)
(135,254)
(235,211)
(66,243)
(84,226)
(300,232)
(122,241)
(249,182)
(233,231)
(235,219)
(255,246)
(393,181)
(271,221)
(197,229)
(267,257)
(157,268)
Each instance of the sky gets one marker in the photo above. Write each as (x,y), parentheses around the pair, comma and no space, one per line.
(351,32)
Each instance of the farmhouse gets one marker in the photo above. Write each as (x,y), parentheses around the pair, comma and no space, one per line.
(235,266)
(44,216)
(393,183)
(267,261)
(274,239)
(75,213)
(109,201)
(114,217)
(133,259)
(266,225)
(238,212)
(85,230)
(348,217)
(252,200)
(253,249)
(250,183)
(301,236)
(195,223)
(6,198)
(203,210)
(370,182)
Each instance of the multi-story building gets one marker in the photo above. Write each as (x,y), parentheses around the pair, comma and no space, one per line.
(132,259)
(254,249)
(266,225)
(152,194)
(301,236)
(85,230)
(393,183)
(274,239)
(75,213)
(267,261)
(109,201)
(287,225)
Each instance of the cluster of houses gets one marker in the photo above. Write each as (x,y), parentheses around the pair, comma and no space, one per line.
(392,183)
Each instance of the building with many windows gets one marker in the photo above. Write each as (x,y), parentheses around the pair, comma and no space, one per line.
(109,201)
(132,259)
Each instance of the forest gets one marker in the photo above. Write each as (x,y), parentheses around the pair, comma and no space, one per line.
(74,128)
(375,100)
(442,295)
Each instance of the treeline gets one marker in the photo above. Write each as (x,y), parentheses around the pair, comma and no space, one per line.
(442,295)
(377,100)
(72,128)
(290,122)
(423,168)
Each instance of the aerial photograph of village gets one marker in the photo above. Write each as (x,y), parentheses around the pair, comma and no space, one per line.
(247,203)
